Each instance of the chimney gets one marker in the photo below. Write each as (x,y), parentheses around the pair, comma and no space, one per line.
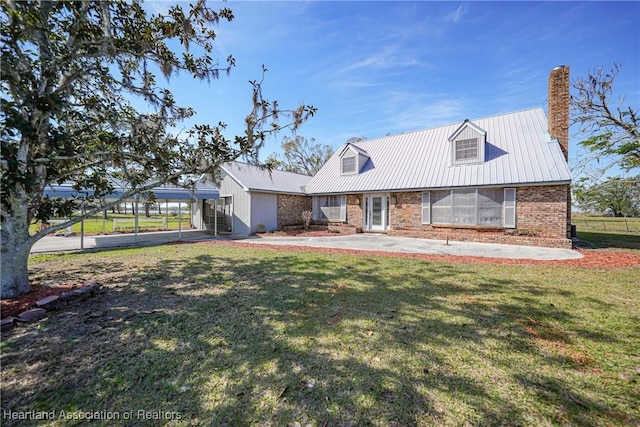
(559,99)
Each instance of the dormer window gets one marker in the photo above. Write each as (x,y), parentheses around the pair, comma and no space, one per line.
(348,165)
(467,144)
(466,150)
(352,159)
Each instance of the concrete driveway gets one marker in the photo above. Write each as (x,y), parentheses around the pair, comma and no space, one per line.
(366,242)
(382,242)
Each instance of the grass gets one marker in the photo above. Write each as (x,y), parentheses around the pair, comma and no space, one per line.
(607,232)
(610,239)
(221,335)
(605,223)
(96,225)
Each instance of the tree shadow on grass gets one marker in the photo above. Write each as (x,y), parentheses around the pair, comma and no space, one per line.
(618,240)
(277,338)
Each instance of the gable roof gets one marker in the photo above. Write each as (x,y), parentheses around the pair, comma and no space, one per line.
(254,178)
(519,151)
(467,123)
(353,147)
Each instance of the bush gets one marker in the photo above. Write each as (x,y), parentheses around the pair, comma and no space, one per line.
(306,219)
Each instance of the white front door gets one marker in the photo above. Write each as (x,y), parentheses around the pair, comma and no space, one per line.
(376,212)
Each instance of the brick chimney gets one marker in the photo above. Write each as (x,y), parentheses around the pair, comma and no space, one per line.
(559,99)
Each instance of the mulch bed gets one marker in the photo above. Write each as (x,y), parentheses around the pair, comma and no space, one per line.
(603,259)
(591,258)
(14,306)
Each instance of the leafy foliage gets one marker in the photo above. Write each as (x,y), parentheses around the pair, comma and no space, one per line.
(611,128)
(616,196)
(301,156)
(71,74)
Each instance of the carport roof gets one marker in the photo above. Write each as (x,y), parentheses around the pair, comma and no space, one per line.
(163,192)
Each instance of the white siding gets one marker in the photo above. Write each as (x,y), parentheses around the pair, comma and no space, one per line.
(196,215)
(264,210)
(241,204)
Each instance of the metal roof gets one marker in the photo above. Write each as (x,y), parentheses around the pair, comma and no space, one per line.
(163,192)
(518,151)
(254,178)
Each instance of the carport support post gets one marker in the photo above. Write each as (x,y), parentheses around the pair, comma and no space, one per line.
(215,218)
(179,219)
(135,228)
(166,212)
(82,228)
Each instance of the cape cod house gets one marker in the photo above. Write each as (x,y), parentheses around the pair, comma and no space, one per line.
(501,179)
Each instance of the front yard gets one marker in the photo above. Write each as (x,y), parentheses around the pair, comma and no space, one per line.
(192,334)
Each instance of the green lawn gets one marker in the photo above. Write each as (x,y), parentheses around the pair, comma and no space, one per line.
(605,223)
(222,335)
(96,225)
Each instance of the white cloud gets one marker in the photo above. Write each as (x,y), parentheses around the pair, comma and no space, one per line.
(457,14)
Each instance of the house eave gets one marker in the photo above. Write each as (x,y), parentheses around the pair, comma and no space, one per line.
(447,187)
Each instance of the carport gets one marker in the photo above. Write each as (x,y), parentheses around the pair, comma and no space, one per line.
(166,192)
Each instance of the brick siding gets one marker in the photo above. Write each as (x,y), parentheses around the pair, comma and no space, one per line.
(541,220)
(541,215)
(290,208)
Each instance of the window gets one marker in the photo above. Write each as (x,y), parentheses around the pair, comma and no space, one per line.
(426,211)
(465,207)
(330,208)
(466,150)
(510,207)
(348,164)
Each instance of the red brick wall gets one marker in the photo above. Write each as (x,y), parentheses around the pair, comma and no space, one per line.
(290,209)
(559,100)
(542,211)
(354,210)
(541,220)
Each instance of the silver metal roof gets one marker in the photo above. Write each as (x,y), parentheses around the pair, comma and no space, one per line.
(162,192)
(519,151)
(254,178)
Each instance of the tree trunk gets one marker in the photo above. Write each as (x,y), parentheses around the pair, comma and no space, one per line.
(16,245)
(147,206)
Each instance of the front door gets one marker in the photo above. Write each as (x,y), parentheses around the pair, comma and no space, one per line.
(375,212)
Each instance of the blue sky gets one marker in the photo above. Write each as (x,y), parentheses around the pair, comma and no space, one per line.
(373,68)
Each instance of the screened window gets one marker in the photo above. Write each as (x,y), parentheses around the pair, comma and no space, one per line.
(466,207)
(348,165)
(330,208)
(466,150)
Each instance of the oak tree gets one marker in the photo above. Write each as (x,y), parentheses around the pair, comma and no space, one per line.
(608,124)
(74,75)
(300,155)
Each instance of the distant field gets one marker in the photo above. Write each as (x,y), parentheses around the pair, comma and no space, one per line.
(604,223)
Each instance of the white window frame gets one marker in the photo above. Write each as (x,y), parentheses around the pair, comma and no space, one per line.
(355,165)
(508,219)
(426,207)
(463,161)
(319,215)
(509,208)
